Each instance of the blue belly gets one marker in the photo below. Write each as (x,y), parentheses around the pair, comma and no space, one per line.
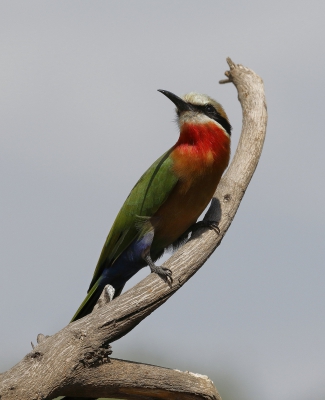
(127,264)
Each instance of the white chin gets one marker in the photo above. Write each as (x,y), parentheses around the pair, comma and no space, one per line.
(191,117)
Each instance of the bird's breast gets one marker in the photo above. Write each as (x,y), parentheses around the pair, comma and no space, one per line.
(199,159)
(202,151)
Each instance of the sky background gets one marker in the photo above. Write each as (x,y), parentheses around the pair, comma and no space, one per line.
(81,120)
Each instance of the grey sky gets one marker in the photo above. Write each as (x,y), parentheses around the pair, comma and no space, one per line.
(81,120)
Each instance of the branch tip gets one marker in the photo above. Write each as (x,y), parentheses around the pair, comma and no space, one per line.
(41,338)
(223,81)
(106,296)
(230,63)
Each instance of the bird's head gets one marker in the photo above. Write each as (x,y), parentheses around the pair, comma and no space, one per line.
(195,108)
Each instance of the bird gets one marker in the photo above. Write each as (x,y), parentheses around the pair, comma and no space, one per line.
(163,207)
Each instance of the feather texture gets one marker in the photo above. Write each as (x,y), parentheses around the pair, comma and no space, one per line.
(168,198)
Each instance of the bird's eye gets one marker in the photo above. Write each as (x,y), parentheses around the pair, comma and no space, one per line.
(209,108)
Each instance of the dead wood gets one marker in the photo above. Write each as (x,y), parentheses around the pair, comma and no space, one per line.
(75,361)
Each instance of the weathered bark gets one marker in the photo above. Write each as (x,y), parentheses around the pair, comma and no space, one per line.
(75,361)
(141,381)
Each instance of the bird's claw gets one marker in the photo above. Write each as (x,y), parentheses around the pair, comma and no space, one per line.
(208,224)
(213,225)
(163,272)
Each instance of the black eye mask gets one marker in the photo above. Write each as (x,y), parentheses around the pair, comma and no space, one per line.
(212,113)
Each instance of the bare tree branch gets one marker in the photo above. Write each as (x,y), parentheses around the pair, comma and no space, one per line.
(75,361)
(127,380)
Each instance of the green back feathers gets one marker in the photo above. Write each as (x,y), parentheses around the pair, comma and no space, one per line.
(149,193)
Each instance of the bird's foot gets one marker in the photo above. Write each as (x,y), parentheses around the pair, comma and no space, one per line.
(163,272)
(207,224)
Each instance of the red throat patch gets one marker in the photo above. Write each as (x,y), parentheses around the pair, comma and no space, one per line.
(200,147)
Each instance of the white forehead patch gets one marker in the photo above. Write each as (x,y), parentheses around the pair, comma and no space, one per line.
(197,98)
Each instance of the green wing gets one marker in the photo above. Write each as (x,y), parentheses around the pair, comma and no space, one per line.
(149,193)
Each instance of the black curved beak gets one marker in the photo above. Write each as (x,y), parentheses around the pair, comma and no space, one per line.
(179,103)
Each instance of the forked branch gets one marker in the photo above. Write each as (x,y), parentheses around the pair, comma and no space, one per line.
(75,361)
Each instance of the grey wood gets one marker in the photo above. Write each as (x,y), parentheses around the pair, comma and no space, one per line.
(75,361)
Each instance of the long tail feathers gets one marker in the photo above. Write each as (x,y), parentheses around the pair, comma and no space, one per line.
(88,304)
